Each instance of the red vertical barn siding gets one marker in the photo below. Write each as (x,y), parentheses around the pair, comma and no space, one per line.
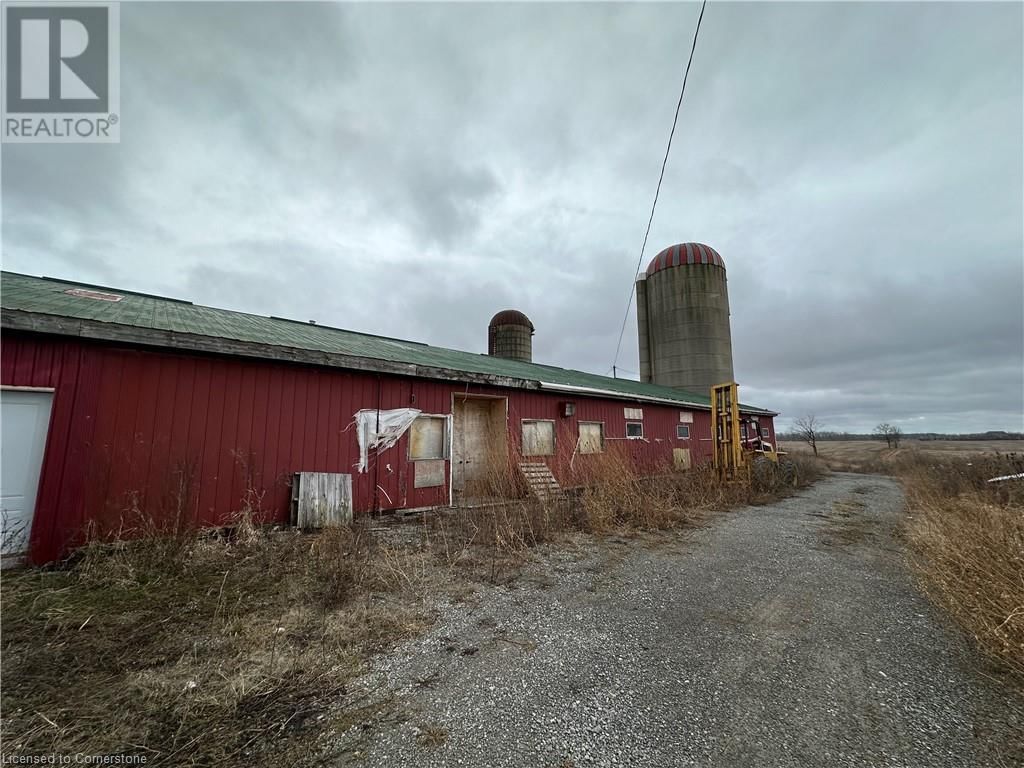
(187,435)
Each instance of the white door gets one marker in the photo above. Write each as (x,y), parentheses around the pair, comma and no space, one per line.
(24,420)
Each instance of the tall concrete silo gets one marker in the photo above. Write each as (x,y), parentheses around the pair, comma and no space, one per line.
(682,306)
(510,335)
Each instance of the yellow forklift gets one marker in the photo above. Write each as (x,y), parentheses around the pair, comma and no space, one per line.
(734,449)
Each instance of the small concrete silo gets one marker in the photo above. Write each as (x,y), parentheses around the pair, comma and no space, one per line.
(510,335)
(682,306)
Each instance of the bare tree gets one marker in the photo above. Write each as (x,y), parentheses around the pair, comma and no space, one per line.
(896,434)
(890,433)
(884,432)
(807,429)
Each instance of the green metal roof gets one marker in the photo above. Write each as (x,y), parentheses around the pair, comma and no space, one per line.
(49,296)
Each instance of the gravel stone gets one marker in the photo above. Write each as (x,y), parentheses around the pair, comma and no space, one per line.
(790,634)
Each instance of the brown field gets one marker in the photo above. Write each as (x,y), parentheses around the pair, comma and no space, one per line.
(874,456)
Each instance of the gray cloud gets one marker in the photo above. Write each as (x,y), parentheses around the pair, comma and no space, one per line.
(410,169)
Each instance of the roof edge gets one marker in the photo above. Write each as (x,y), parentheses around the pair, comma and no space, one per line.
(59,325)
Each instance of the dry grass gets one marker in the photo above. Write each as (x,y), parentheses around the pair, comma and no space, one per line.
(873,456)
(199,650)
(969,538)
(613,497)
(967,534)
(219,648)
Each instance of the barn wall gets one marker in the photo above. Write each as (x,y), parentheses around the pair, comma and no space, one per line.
(199,436)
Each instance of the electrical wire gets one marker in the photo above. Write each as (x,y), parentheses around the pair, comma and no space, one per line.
(657,191)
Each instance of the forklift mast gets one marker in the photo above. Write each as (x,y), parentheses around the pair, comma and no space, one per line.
(729,456)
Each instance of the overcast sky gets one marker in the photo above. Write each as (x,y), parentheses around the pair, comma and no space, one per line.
(408,170)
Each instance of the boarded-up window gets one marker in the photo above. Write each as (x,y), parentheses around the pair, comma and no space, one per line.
(686,417)
(427,438)
(683,431)
(634,430)
(681,458)
(634,414)
(538,438)
(428,474)
(591,437)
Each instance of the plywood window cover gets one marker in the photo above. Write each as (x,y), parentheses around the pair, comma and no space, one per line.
(538,449)
(428,473)
(638,424)
(686,417)
(633,414)
(418,448)
(585,444)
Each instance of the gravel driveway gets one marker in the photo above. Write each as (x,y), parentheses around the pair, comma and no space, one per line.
(789,634)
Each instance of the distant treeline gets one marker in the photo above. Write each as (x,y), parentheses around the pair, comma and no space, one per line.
(995,435)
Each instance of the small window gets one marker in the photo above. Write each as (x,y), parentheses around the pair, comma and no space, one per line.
(538,438)
(634,414)
(743,431)
(428,438)
(765,433)
(591,437)
(634,430)
(683,431)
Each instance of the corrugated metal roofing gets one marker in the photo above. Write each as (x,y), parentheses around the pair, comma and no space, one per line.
(683,254)
(49,296)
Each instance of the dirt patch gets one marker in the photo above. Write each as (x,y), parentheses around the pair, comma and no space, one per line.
(846,522)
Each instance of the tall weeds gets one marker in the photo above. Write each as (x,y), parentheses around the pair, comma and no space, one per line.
(199,648)
(969,538)
(231,646)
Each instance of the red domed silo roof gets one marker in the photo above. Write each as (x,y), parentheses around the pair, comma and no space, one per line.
(685,253)
(511,317)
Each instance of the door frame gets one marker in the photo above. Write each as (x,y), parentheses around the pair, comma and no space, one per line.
(462,397)
(16,558)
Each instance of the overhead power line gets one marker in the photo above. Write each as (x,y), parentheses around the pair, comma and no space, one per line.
(657,191)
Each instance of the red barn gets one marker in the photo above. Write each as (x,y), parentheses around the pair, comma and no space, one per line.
(115,401)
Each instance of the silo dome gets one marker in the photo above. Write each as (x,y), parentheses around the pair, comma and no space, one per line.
(683,319)
(685,253)
(510,335)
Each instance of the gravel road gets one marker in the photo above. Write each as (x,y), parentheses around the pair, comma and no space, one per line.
(785,635)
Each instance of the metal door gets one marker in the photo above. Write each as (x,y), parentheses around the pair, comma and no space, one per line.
(24,421)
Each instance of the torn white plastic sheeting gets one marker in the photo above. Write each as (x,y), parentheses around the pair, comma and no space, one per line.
(1018,476)
(381,430)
